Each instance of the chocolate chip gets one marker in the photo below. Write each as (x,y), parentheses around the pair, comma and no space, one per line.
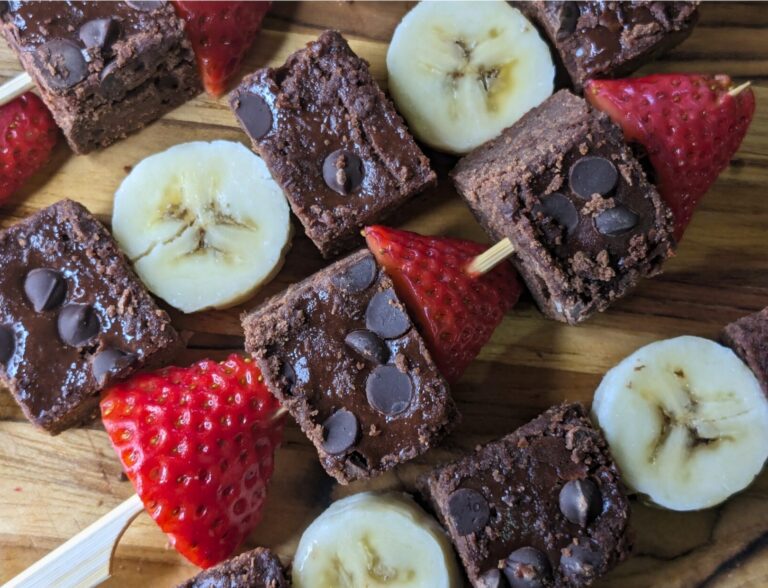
(145,5)
(385,316)
(340,431)
(111,85)
(289,375)
(469,510)
(358,277)
(45,289)
(109,362)
(254,114)
(343,171)
(368,345)
(7,344)
(593,175)
(569,17)
(615,221)
(581,501)
(99,33)
(559,208)
(389,390)
(61,63)
(581,563)
(493,579)
(527,568)
(78,324)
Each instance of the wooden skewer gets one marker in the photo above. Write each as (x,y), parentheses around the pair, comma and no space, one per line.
(15,87)
(84,560)
(485,262)
(739,89)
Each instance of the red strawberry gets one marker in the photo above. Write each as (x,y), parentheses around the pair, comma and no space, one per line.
(198,444)
(221,33)
(27,137)
(456,314)
(689,124)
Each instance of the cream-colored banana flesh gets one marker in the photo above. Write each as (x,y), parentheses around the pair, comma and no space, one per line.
(686,421)
(461,72)
(204,224)
(372,540)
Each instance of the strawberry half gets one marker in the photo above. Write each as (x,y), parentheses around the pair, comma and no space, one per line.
(198,445)
(28,135)
(221,32)
(456,314)
(689,124)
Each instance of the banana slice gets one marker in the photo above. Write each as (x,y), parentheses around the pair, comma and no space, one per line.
(374,540)
(461,73)
(686,421)
(204,224)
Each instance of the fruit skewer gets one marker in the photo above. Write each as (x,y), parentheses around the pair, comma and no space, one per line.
(15,87)
(711,121)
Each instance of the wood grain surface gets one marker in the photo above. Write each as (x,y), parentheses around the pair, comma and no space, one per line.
(52,487)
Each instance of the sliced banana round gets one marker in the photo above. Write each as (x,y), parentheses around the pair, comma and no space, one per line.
(462,72)
(375,540)
(686,421)
(204,224)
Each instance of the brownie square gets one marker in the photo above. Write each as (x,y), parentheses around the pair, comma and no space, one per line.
(562,185)
(332,140)
(610,39)
(73,316)
(342,355)
(748,337)
(544,502)
(258,568)
(104,69)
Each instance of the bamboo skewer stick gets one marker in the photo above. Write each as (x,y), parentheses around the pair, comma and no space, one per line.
(15,87)
(739,89)
(485,262)
(84,560)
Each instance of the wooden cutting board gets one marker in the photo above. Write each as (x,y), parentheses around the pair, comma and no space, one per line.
(52,487)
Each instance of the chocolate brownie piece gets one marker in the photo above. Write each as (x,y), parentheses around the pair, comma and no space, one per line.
(332,140)
(543,506)
(748,337)
(610,39)
(73,316)
(259,568)
(565,189)
(340,352)
(104,69)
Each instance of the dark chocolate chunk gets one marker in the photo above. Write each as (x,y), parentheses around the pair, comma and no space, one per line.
(111,84)
(45,289)
(493,579)
(358,277)
(581,501)
(385,316)
(581,563)
(289,374)
(593,175)
(469,510)
(616,221)
(569,17)
(527,568)
(7,344)
(99,33)
(340,432)
(145,5)
(109,362)
(560,208)
(78,324)
(368,345)
(254,114)
(389,390)
(343,171)
(62,63)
